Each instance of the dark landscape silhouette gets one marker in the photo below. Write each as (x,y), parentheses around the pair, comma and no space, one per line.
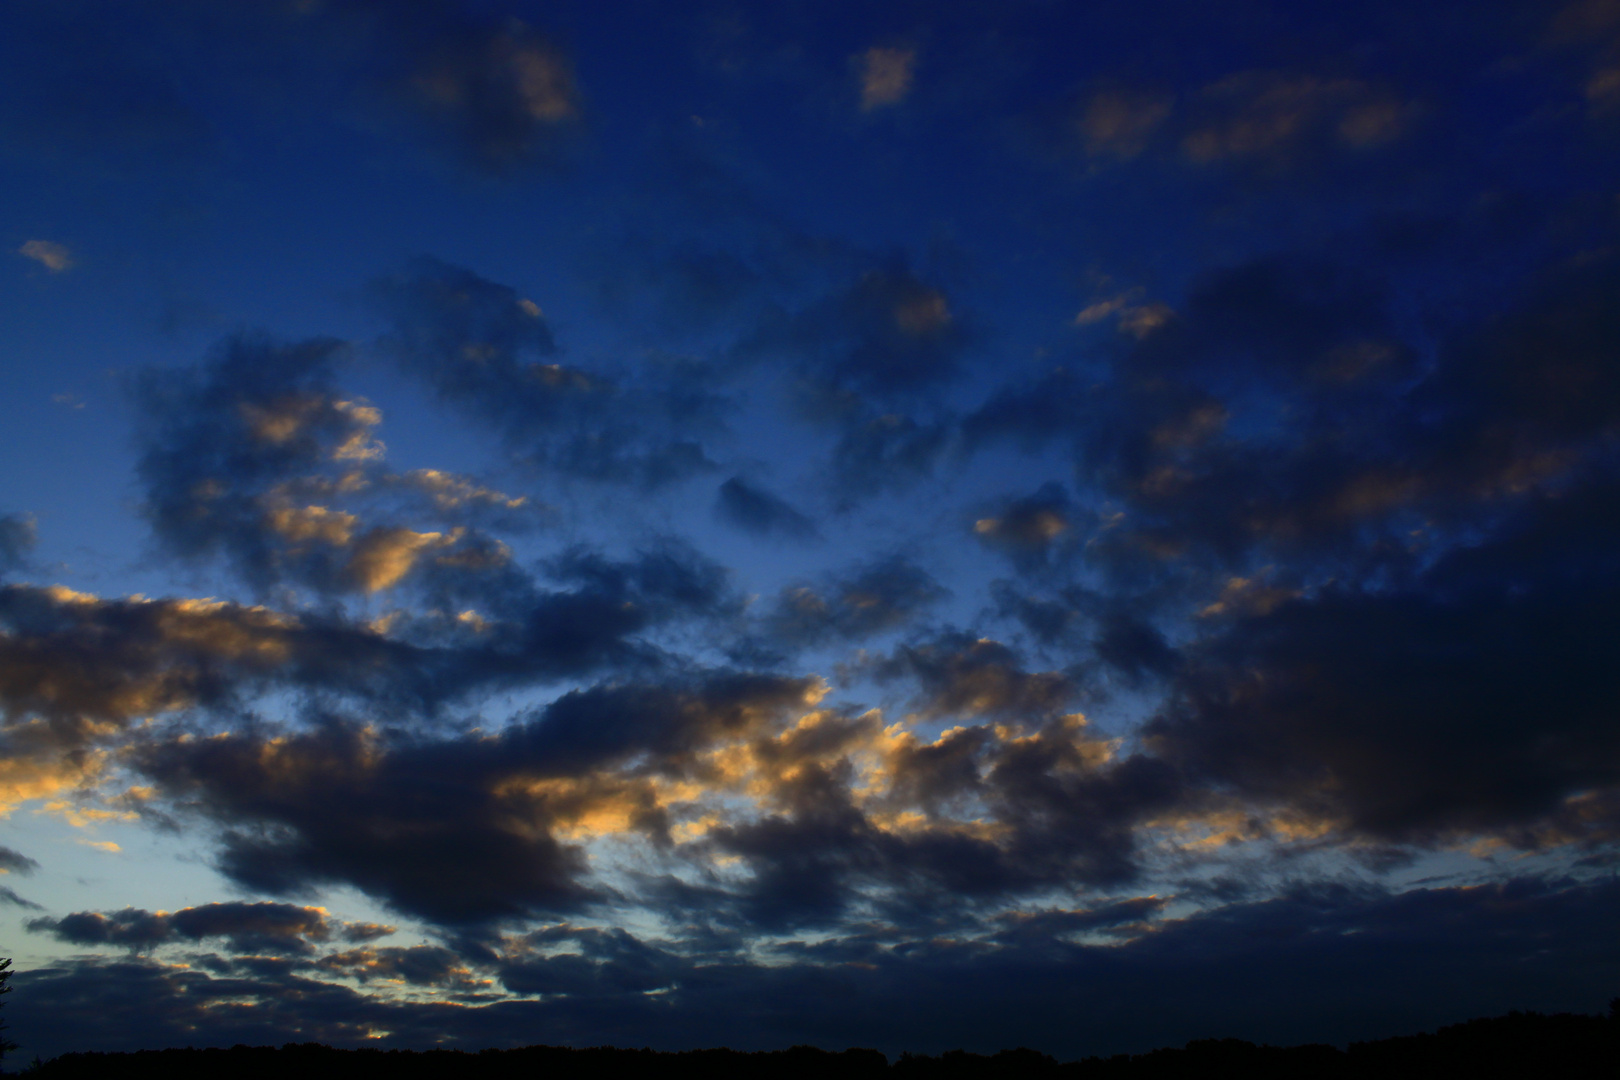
(1519,1044)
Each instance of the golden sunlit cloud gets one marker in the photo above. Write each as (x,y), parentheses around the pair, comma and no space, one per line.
(52,256)
(383,556)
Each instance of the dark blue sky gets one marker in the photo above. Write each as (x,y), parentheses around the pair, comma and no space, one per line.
(926,525)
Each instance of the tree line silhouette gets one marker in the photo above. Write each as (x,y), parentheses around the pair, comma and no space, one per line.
(1519,1044)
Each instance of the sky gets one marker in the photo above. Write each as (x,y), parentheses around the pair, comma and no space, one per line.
(909,525)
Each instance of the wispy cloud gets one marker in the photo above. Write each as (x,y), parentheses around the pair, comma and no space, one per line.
(52,256)
(886,75)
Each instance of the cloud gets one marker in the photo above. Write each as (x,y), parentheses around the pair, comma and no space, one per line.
(256,457)
(1272,115)
(886,75)
(11,897)
(14,862)
(426,837)
(889,334)
(1268,123)
(218,443)
(1462,703)
(247,928)
(757,511)
(495,94)
(882,453)
(818,809)
(985,993)
(483,349)
(1027,530)
(79,661)
(419,965)
(1130,315)
(52,256)
(1340,522)
(141,1003)
(608,965)
(960,677)
(1326,565)
(1126,917)
(865,601)
(465,831)
(452,495)
(77,669)
(1120,122)
(1283,413)
(856,816)
(17,538)
(504,96)
(1131,645)
(383,557)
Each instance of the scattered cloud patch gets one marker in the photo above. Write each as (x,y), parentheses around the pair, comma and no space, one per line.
(15,862)
(754,510)
(52,256)
(886,75)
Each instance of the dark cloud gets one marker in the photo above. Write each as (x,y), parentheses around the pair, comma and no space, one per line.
(587,729)
(1035,413)
(1235,971)
(1126,917)
(757,511)
(416,828)
(871,360)
(1121,632)
(17,536)
(1049,618)
(475,830)
(75,670)
(867,601)
(1332,543)
(593,964)
(15,862)
(256,457)
(141,1003)
(1131,646)
(246,928)
(1027,530)
(419,965)
(888,452)
(961,676)
(483,349)
(504,96)
(11,897)
(888,334)
(457,831)
(217,443)
(1468,700)
(1282,415)
(71,664)
(71,658)
(497,94)
(131,927)
(670,573)
(832,841)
